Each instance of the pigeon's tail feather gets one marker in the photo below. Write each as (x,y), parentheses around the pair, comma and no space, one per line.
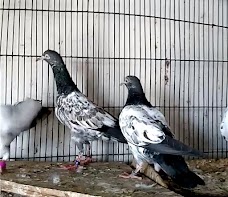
(43,113)
(173,147)
(176,168)
(114,134)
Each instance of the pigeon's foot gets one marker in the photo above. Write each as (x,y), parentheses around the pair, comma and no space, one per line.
(125,175)
(76,167)
(69,167)
(85,161)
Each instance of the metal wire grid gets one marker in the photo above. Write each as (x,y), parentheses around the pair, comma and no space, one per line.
(178,49)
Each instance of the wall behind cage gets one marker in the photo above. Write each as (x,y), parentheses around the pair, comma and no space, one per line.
(179,50)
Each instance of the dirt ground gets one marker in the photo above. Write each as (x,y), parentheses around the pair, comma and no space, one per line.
(102,179)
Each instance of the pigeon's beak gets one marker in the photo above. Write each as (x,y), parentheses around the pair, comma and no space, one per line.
(40,101)
(123,83)
(40,58)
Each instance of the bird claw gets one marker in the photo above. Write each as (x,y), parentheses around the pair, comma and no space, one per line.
(85,161)
(69,167)
(125,175)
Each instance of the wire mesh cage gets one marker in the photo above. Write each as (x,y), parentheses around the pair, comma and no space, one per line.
(178,49)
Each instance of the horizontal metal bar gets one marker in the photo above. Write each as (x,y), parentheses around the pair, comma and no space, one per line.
(112,13)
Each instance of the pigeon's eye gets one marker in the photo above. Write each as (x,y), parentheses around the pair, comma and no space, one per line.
(47,56)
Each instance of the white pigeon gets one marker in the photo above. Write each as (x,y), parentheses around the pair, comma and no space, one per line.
(150,139)
(17,118)
(224,125)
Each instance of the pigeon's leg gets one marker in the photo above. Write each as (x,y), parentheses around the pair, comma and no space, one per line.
(88,158)
(134,174)
(77,159)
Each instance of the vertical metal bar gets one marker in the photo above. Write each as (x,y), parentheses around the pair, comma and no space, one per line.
(208,96)
(199,87)
(48,14)
(31,90)
(134,40)
(222,96)
(36,75)
(66,58)
(208,79)
(150,46)
(213,88)
(103,61)
(226,85)
(155,53)
(144,40)
(165,57)
(7,42)
(204,110)
(119,80)
(160,61)
(54,97)
(180,78)
(12,53)
(175,65)
(170,56)
(23,80)
(98,56)
(217,88)
(1,46)
(194,78)
(114,72)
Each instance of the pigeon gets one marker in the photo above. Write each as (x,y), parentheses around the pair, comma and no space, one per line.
(15,119)
(151,140)
(224,125)
(86,121)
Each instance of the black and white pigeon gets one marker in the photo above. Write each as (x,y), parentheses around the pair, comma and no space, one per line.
(150,139)
(86,121)
(224,125)
(17,118)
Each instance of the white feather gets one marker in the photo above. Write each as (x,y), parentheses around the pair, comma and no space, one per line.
(224,125)
(139,127)
(15,119)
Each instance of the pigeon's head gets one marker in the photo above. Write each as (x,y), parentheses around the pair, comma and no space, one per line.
(51,57)
(133,84)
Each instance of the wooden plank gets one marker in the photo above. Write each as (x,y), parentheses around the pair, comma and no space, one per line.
(152,174)
(35,191)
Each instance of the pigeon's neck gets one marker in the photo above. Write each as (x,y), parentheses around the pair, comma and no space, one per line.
(64,82)
(135,98)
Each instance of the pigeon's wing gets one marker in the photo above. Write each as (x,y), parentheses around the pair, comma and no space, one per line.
(224,125)
(144,130)
(159,118)
(138,127)
(76,111)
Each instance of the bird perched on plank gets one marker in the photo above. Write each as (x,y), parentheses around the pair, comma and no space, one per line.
(150,139)
(15,119)
(224,125)
(86,121)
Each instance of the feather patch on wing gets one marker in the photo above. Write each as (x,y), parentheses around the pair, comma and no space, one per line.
(139,127)
(76,110)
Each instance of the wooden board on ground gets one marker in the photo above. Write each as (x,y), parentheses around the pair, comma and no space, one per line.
(214,173)
(101,179)
(98,179)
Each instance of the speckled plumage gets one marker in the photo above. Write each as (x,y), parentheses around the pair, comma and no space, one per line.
(150,138)
(86,121)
